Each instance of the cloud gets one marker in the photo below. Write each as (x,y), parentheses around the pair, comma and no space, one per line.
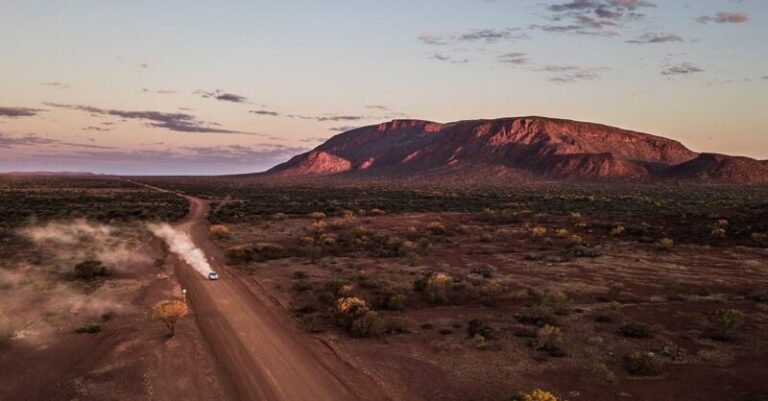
(343,128)
(477,35)
(650,38)
(377,107)
(179,122)
(265,113)
(54,84)
(210,155)
(448,59)
(340,118)
(9,142)
(514,58)
(158,91)
(724,18)
(592,17)
(223,96)
(681,69)
(94,128)
(14,112)
(563,73)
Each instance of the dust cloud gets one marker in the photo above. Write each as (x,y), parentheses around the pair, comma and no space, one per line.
(181,244)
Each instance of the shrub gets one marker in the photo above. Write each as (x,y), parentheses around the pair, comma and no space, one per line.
(90,269)
(436,288)
(554,299)
(642,364)
(479,341)
(338,224)
(617,230)
(486,237)
(302,286)
(90,328)
(299,275)
(219,231)
(5,338)
(356,316)
(397,325)
(535,395)
(665,244)
(317,216)
(476,327)
(538,315)
(314,324)
(561,233)
(437,228)
(723,322)
(278,216)
(614,292)
(549,339)
(538,231)
(367,325)
(635,330)
(376,212)
(486,271)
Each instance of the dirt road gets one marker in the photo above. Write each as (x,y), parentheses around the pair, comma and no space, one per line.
(259,346)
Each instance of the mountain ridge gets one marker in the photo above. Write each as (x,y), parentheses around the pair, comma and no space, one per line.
(518,148)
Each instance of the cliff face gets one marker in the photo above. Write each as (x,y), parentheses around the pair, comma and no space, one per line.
(530,147)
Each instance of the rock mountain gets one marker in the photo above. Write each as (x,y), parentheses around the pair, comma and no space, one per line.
(516,149)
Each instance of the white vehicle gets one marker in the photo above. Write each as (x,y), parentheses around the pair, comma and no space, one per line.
(213,276)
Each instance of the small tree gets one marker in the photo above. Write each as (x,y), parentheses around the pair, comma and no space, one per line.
(168,312)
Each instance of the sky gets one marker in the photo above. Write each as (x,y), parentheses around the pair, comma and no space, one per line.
(219,87)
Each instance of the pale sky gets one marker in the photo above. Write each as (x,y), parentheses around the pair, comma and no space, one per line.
(216,87)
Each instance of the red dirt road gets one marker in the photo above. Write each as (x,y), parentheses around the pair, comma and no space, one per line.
(265,355)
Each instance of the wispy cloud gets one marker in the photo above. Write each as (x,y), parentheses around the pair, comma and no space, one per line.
(724,17)
(477,35)
(158,91)
(179,122)
(652,38)
(265,113)
(448,59)
(14,112)
(32,140)
(514,58)
(564,73)
(343,128)
(592,17)
(55,84)
(681,69)
(340,118)
(223,96)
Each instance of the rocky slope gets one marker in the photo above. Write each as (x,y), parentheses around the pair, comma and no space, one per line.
(526,148)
